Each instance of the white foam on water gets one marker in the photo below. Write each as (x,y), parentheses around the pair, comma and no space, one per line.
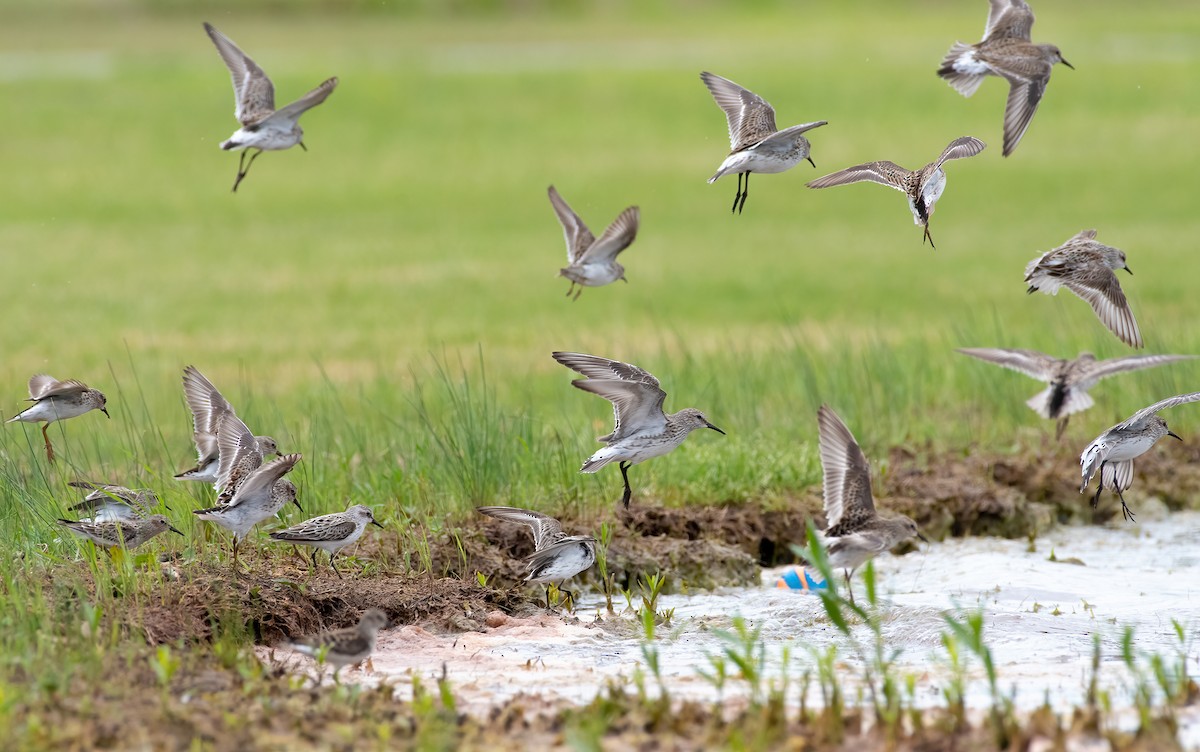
(1040,618)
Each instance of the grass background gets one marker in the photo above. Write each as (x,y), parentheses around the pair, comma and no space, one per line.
(386,303)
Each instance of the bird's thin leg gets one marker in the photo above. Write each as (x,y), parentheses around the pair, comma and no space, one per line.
(1062,426)
(849,588)
(242,171)
(547,596)
(235,558)
(578,293)
(1096,498)
(314,560)
(49,446)
(571,289)
(737,195)
(334,566)
(928,236)
(1126,512)
(628,491)
(745,193)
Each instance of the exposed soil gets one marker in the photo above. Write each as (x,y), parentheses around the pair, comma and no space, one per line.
(694,547)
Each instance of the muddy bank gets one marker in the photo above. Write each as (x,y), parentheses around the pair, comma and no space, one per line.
(694,548)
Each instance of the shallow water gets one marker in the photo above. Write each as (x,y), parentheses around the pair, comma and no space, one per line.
(1040,618)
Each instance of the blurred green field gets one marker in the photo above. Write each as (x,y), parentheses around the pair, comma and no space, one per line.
(387,302)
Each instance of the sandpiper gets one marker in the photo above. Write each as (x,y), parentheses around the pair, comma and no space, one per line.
(1069,380)
(1005,51)
(124,533)
(263,127)
(105,501)
(344,647)
(923,187)
(556,556)
(208,406)
(1087,268)
(58,400)
(240,453)
(1113,452)
(259,496)
(591,261)
(854,531)
(755,144)
(642,429)
(329,533)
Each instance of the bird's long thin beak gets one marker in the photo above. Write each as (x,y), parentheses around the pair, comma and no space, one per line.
(174,530)
(376,523)
(1129,270)
(814,164)
(710,425)
(302,146)
(105,411)
(1064,62)
(923,538)
(1175,435)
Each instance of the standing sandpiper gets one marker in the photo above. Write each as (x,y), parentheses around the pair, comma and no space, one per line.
(923,187)
(123,533)
(1069,380)
(556,556)
(642,429)
(1113,452)
(592,261)
(344,647)
(329,533)
(58,400)
(854,532)
(259,497)
(1086,268)
(1005,51)
(755,145)
(263,127)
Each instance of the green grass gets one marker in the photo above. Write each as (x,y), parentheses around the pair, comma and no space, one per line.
(386,303)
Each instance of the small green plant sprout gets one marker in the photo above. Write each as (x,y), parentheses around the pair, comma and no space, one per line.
(831,721)
(651,587)
(717,677)
(1160,683)
(627,593)
(165,665)
(968,633)
(954,692)
(606,577)
(651,656)
(92,615)
(481,579)
(743,648)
